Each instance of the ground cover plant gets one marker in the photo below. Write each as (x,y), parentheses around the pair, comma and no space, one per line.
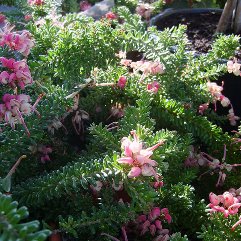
(107,134)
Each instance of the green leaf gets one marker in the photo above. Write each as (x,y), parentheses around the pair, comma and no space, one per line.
(6,183)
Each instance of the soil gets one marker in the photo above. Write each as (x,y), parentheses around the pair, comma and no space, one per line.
(200,27)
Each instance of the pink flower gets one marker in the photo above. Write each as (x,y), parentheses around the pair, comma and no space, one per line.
(84,5)
(111,15)
(162,237)
(8,63)
(214,89)
(20,42)
(153,87)
(224,101)
(19,76)
(158,184)
(202,108)
(14,107)
(227,203)
(168,217)
(148,67)
(232,117)
(158,224)
(4,77)
(154,214)
(121,55)
(138,158)
(145,227)
(144,10)
(233,67)
(214,199)
(45,151)
(134,172)
(122,82)
(36,2)
(141,218)
(126,62)
(156,68)
(152,222)
(227,199)
(152,229)
(2,18)
(28,17)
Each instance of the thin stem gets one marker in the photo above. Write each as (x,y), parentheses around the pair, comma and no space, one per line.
(13,169)
(23,122)
(124,233)
(109,236)
(224,153)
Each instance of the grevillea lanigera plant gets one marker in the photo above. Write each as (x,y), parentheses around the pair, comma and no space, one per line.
(115,136)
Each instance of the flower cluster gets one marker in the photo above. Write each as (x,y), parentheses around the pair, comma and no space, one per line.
(36,2)
(216,92)
(84,5)
(226,203)
(45,151)
(2,18)
(144,10)
(111,16)
(146,67)
(14,107)
(153,87)
(122,82)
(192,159)
(202,108)
(153,223)
(21,42)
(233,67)
(138,158)
(17,74)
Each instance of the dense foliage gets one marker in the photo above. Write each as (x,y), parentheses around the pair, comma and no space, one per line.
(127,139)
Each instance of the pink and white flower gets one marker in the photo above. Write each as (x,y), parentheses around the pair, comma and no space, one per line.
(14,107)
(144,10)
(232,117)
(226,203)
(233,67)
(111,15)
(17,73)
(122,82)
(21,42)
(153,87)
(138,158)
(84,5)
(36,2)
(152,222)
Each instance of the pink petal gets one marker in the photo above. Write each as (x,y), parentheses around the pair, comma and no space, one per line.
(141,218)
(147,170)
(122,82)
(155,213)
(236,224)
(134,172)
(128,151)
(168,218)
(158,224)
(125,160)
(214,199)
(152,229)
(145,227)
